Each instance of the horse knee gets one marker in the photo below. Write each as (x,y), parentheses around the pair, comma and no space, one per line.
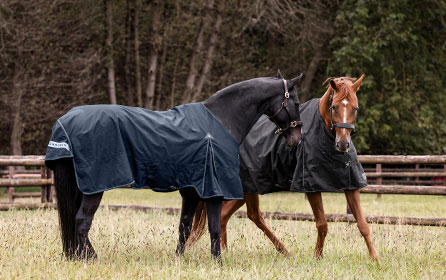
(322,228)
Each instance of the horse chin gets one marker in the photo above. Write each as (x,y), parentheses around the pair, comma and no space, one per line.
(293,138)
(341,150)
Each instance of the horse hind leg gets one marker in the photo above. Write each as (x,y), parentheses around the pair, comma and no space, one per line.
(255,215)
(188,208)
(353,201)
(317,206)
(84,219)
(227,210)
(214,224)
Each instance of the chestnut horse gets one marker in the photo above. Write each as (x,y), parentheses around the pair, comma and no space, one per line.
(338,108)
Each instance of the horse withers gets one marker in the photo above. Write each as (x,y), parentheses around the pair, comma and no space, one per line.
(192,148)
(325,161)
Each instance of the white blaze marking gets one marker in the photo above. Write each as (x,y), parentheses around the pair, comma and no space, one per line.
(345,102)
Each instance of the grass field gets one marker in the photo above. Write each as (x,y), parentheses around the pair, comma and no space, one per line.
(135,245)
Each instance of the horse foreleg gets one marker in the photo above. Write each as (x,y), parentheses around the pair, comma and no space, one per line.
(214,224)
(84,218)
(189,205)
(353,201)
(317,206)
(255,215)
(227,210)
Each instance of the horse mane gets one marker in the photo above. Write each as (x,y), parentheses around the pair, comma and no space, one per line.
(344,90)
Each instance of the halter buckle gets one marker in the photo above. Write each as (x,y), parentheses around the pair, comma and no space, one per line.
(287,94)
(278,131)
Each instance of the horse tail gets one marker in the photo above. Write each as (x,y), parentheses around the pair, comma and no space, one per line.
(198,225)
(69,199)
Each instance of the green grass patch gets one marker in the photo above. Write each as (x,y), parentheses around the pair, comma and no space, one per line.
(135,245)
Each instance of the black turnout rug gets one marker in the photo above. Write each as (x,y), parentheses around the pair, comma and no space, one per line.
(267,165)
(114,146)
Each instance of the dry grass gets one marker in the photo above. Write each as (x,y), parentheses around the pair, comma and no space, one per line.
(135,245)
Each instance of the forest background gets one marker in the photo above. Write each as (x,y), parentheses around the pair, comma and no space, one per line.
(57,54)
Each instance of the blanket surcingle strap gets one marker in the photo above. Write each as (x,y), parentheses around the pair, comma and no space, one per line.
(114,146)
(267,165)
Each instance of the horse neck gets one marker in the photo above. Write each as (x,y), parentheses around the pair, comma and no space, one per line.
(238,107)
(324,105)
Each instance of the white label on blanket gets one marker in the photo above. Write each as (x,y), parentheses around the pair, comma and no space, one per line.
(59,145)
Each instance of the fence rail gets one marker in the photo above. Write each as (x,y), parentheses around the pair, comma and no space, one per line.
(46,181)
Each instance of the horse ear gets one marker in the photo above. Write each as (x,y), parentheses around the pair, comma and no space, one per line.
(358,83)
(294,81)
(279,75)
(333,84)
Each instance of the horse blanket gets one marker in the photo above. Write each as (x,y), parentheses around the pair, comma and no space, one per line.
(267,165)
(114,146)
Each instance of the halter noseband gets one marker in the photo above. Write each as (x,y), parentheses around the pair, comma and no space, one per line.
(293,123)
(340,125)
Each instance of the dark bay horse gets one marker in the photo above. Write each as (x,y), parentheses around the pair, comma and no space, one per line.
(337,109)
(237,108)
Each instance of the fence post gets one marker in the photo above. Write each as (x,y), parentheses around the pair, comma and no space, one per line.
(50,192)
(11,189)
(43,189)
(417,168)
(444,178)
(379,179)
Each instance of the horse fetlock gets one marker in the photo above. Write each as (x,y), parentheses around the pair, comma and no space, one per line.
(84,248)
(318,253)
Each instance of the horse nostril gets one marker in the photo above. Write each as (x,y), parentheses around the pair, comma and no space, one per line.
(348,145)
(337,144)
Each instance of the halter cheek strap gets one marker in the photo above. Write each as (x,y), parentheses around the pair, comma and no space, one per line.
(340,125)
(293,123)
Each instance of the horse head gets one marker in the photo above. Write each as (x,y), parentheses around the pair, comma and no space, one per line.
(343,108)
(286,113)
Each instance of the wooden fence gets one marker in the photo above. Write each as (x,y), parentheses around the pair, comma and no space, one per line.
(12,178)
(16,175)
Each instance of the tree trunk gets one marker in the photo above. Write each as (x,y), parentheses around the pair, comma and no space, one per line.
(172,90)
(137,57)
(109,44)
(17,93)
(128,50)
(153,57)
(161,71)
(309,76)
(193,71)
(209,57)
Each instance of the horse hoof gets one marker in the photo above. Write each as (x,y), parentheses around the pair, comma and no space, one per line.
(86,254)
(218,260)
(283,251)
(179,251)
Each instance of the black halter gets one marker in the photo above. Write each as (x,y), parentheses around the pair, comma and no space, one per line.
(340,125)
(293,123)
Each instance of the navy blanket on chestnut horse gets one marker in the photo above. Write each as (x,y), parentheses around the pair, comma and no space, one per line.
(267,165)
(114,146)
